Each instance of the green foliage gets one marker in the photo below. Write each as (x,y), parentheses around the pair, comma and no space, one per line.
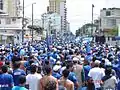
(113,32)
(84,29)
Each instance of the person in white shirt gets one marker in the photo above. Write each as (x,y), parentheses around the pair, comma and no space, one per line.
(96,74)
(33,79)
(109,81)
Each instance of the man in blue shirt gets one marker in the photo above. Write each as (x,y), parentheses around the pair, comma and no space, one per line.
(22,52)
(116,67)
(55,72)
(6,80)
(72,75)
(17,72)
(89,57)
(87,68)
(118,86)
(22,81)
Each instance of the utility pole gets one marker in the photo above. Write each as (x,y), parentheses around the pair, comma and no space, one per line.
(23,21)
(32,22)
(92,19)
(32,19)
(43,21)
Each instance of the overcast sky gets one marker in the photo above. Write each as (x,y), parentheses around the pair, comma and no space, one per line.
(79,11)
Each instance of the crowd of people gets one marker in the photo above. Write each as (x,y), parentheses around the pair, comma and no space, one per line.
(34,66)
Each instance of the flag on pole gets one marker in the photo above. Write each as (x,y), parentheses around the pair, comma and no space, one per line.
(93,5)
(88,48)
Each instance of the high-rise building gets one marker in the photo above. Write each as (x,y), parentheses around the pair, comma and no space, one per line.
(54,6)
(59,6)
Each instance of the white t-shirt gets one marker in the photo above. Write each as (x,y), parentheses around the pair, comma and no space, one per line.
(102,69)
(96,74)
(34,81)
(110,84)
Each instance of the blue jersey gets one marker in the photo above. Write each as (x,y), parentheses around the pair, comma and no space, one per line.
(117,70)
(86,70)
(6,81)
(88,58)
(72,77)
(56,75)
(18,88)
(22,52)
(16,74)
(118,86)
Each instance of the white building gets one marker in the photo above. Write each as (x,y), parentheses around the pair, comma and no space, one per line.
(11,30)
(68,27)
(12,7)
(10,22)
(59,6)
(63,14)
(109,18)
(51,22)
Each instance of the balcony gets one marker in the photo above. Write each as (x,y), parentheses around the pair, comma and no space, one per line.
(11,27)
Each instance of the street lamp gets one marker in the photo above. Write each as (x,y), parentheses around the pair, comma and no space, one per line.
(92,19)
(32,18)
(23,17)
(23,21)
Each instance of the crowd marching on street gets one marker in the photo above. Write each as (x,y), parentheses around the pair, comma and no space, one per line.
(61,66)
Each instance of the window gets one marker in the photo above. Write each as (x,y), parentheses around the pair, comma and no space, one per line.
(108,13)
(112,13)
(13,19)
(1,4)
(8,21)
(113,22)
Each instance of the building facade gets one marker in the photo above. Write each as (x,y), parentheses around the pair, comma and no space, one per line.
(63,13)
(109,19)
(59,6)
(109,23)
(52,23)
(54,6)
(12,7)
(68,27)
(10,22)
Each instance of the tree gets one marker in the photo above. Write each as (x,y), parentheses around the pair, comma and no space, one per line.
(84,30)
(113,32)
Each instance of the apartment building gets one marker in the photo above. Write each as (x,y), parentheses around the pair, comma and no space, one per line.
(59,6)
(109,18)
(10,21)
